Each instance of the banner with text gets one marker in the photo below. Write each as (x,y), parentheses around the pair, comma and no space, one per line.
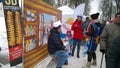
(14,30)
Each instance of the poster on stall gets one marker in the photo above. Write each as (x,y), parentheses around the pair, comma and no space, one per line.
(45,25)
(30,28)
(14,30)
(48,20)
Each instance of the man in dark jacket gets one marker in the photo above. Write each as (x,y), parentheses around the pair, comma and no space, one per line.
(55,44)
(113,59)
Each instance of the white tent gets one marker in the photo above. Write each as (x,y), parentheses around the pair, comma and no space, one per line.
(66,10)
(67,14)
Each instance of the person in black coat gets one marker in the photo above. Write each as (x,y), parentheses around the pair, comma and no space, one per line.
(55,44)
(113,59)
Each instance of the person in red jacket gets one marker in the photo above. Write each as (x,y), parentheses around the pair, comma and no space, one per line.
(77,35)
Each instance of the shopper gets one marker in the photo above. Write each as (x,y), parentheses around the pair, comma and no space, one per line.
(108,35)
(55,45)
(77,35)
(93,33)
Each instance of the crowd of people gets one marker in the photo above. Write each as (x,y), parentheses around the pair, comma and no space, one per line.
(94,32)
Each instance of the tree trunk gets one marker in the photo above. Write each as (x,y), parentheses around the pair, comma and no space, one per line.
(58,3)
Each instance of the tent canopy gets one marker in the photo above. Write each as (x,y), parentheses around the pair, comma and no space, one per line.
(66,10)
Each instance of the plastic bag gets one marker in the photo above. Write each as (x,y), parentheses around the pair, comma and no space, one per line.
(85,50)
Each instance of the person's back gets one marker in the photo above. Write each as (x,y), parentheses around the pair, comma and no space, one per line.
(113,60)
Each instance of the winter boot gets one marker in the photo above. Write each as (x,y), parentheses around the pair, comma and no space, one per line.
(72,54)
(66,62)
(88,65)
(78,56)
(94,63)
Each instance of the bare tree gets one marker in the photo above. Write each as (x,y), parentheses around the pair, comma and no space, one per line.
(117,5)
(71,3)
(74,3)
(87,7)
(109,8)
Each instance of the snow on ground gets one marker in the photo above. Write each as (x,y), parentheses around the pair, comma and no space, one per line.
(75,62)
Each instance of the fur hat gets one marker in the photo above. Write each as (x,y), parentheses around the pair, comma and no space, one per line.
(94,16)
(57,24)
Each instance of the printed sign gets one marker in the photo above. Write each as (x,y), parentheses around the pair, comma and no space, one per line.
(14,30)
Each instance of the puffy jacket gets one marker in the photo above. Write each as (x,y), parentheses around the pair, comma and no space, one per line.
(109,33)
(78,31)
(113,58)
(54,42)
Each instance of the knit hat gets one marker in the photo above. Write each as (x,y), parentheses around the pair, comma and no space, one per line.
(57,24)
(68,33)
(79,16)
(94,16)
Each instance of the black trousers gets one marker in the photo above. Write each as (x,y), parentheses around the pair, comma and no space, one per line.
(91,55)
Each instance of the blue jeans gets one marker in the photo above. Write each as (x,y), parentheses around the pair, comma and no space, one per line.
(76,42)
(63,56)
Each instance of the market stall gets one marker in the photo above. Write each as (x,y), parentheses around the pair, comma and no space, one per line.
(38,18)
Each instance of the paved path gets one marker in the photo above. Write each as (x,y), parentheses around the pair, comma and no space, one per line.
(75,62)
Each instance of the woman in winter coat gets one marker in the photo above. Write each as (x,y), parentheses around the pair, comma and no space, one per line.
(77,35)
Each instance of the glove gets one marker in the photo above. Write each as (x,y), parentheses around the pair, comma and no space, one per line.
(102,50)
(97,39)
(86,39)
